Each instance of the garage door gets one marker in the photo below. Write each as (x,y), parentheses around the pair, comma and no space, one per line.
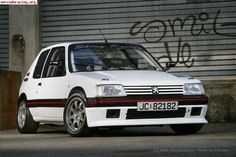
(4,38)
(198,36)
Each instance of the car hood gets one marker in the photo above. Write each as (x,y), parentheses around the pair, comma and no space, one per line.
(134,77)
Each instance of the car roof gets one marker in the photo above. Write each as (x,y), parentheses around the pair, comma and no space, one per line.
(69,43)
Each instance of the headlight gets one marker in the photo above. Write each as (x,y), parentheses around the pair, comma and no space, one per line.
(193,89)
(110,90)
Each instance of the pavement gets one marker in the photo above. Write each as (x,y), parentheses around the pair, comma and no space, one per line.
(215,139)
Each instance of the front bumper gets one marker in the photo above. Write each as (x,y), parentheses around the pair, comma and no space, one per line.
(97,108)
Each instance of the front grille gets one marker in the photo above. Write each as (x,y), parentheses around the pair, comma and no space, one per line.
(147,90)
(134,114)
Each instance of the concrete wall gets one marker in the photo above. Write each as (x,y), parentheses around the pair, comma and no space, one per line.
(9,87)
(23,20)
(222,100)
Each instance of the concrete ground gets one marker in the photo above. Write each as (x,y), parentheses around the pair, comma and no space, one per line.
(218,140)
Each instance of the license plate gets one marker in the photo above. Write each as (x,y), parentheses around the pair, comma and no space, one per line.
(157,106)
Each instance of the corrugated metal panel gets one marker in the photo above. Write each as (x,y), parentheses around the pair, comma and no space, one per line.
(4,37)
(200,36)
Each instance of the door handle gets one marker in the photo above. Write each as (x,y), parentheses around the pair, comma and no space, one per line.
(39,84)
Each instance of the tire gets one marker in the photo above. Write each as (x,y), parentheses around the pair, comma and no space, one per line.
(186,128)
(74,115)
(25,122)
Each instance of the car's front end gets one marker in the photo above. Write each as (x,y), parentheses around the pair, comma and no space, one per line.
(131,89)
(148,102)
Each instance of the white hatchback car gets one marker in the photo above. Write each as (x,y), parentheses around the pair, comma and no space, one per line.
(91,85)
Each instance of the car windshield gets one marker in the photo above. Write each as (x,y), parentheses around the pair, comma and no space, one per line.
(98,57)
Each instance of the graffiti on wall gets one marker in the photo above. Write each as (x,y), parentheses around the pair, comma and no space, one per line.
(198,26)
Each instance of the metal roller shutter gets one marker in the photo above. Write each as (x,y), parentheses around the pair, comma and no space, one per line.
(199,36)
(4,38)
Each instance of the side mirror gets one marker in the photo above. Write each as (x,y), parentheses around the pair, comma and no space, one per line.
(169,65)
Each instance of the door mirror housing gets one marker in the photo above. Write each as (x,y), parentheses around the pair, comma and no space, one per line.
(169,65)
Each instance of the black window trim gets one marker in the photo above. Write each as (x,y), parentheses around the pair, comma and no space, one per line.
(61,46)
(49,50)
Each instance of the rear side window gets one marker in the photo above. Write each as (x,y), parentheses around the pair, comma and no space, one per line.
(39,67)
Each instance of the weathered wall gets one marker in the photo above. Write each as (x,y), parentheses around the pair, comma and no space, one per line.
(23,20)
(9,87)
(222,100)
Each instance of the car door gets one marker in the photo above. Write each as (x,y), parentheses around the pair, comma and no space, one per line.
(53,85)
(31,84)
(53,82)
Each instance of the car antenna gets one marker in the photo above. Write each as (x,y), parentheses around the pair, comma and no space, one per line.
(103,36)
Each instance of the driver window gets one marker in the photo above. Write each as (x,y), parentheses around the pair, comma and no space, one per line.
(55,65)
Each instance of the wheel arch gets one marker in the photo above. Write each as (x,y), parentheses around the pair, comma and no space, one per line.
(76,89)
(22,97)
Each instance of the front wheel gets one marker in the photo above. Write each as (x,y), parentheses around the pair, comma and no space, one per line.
(74,115)
(25,121)
(186,128)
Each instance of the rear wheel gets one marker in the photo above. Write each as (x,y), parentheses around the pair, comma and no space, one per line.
(74,115)
(186,128)
(25,121)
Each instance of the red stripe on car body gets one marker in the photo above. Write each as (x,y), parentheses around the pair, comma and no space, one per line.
(45,103)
